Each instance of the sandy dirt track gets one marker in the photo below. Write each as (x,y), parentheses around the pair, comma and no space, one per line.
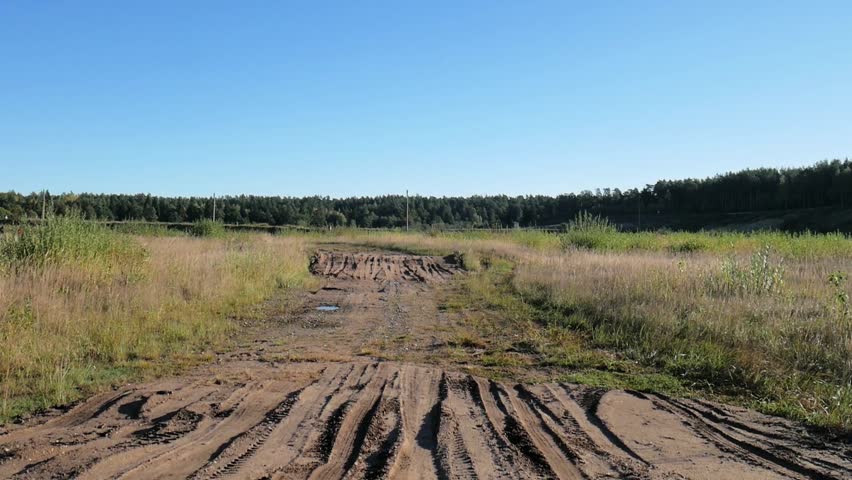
(264,412)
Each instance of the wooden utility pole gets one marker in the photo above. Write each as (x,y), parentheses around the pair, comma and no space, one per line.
(406,210)
(214,207)
(43,203)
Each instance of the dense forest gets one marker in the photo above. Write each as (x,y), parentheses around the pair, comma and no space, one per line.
(825,184)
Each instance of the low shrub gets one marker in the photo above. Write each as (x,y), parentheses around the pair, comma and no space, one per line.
(208,228)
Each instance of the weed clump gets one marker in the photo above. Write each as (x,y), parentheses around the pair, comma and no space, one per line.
(837,280)
(587,231)
(470,261)
(761,275)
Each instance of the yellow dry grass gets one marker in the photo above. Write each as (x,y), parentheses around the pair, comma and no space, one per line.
(67,326)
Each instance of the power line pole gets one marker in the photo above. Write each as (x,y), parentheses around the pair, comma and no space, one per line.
(406,210)
(214,207)
(43,204)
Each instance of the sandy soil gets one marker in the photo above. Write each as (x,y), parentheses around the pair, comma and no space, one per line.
(303,400)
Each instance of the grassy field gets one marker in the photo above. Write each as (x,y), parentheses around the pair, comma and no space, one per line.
(82,306)
(759,319)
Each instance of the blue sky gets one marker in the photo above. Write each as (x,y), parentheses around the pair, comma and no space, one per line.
(441,98)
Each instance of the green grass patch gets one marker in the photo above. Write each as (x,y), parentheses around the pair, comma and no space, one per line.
(641,381)
(208,228)
(68,239)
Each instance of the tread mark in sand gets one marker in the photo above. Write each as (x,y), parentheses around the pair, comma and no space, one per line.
(326,400)
(717,436)
(332,427)
(505,452)
(457,452)
(380,267)
(330,436)
(428,437)
(182,422)
(257,435)
(580,438)
(540,410)
(589,400)
(325,443)
(361,432)
(378,462)
(519,437)
(566,420)
(108,404)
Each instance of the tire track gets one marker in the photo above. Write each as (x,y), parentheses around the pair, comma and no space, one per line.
(343,439)
(384,420)
(513,429)
(422,395)
(233,453)
(382,440)
(772,456)
(308,442)
(477,435)
(597,455)
(589,400)
(112,428)
(542,427)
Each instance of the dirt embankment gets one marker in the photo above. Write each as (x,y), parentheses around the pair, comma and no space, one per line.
(366,266)
(255,413)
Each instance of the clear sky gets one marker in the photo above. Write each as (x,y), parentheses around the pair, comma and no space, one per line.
(439,97)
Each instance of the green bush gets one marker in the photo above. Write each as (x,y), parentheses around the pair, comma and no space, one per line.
(687,246)
(208,228)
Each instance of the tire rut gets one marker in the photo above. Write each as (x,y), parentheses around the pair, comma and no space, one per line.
(233,453)
(385,420)
(344,435)
(771,455)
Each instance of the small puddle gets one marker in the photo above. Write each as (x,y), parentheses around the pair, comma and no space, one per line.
(327,308)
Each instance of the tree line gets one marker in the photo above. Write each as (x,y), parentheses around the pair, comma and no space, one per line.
(824,184)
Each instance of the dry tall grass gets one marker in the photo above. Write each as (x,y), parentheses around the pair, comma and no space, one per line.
(771,326)
(67,325)
(777,329)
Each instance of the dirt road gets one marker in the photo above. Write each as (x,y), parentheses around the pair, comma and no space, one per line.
(305,399)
